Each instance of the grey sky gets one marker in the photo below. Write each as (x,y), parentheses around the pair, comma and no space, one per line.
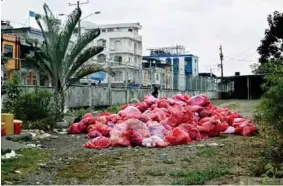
(200,25)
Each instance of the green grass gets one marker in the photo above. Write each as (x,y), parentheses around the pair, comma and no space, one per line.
(198,177)
(26,162)
(208,151)
(113,109)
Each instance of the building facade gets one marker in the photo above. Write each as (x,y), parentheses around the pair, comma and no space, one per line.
(122,50)
(182,65)
(14,48)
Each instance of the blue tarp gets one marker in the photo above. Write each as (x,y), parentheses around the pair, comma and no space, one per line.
(99,76)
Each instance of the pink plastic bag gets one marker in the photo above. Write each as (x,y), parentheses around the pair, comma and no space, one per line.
(191,130)
(117,135)
(149,99)
(200,100)
(154,141)
(93,134)
(156,129)
(74,129)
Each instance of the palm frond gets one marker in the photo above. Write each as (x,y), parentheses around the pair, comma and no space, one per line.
(88,69)
(83,58)
(66,33)
(81,44)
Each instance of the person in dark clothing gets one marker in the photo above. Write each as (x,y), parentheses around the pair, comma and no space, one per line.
(155,92)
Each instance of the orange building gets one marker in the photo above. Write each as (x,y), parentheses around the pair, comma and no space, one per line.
(11,48)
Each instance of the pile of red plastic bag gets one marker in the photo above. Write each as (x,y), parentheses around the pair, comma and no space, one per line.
(161,122)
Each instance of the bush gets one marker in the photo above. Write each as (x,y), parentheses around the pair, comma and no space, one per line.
(13,92)
(34,106)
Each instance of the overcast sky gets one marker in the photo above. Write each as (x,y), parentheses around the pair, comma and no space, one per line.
(200,25)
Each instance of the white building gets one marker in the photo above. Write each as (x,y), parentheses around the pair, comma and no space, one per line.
(122,49)
(183,65)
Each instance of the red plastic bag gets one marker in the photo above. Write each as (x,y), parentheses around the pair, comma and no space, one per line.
(93,134)
(87,115)
(191,130)
(103,128)
(248,130)
(114,118)
(200,100)
(98,143)
(195,108)
(91,120)
(75,128)
(142,106)
(177,137)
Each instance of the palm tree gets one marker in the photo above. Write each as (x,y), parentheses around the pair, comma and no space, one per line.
(60,59)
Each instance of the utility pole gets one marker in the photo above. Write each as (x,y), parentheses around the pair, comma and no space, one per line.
(79,22)
(221,59)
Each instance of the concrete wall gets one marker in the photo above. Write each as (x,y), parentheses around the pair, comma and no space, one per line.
(85,96)
(93,96)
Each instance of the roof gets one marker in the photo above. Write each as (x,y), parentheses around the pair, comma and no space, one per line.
(151,58)
(243,76)
(206,74)
(173,55)
(122,25)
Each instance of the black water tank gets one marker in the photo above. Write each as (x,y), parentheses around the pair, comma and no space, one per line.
(237,73)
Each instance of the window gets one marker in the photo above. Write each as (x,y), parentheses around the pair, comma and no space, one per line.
(101,42)
(110,30)
(130,30)
(118,59)
(135,48)
(101,58)
(117,45)
(118,76)
(8,51)
(136,59)
(157,77)
(103,30)
(130,43)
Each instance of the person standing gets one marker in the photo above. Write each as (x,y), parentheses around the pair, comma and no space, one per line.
(155,92)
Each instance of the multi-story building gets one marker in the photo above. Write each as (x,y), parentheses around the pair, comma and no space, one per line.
(183,65)
(14,48)
(156,73)
(122,50)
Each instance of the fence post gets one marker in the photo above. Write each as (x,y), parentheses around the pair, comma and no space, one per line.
(89,94)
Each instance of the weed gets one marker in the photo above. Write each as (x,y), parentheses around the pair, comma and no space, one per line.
(199,176)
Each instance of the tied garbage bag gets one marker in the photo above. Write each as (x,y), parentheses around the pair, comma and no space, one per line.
(200,100)
(117,135)
(191,130)
(75,128)
(93,134)
(149,99)
(178,137)
(156,129)
(98,143)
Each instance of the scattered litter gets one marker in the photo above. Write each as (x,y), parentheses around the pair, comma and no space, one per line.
(31,145)
(9,155)
(18,172)
(161,122)
(61,131)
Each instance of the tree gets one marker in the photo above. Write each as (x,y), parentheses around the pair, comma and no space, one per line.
(61,61)
(271,47)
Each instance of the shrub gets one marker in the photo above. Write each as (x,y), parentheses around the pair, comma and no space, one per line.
(13,92)
(34,106)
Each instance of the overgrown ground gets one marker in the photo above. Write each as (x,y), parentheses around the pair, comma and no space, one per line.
(234,161)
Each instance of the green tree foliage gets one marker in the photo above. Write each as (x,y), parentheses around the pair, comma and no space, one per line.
(62,60)
(271,47)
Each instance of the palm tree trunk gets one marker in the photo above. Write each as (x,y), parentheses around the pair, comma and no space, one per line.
(59,104)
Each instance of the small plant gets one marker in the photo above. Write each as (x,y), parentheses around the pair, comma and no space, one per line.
(113,109)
